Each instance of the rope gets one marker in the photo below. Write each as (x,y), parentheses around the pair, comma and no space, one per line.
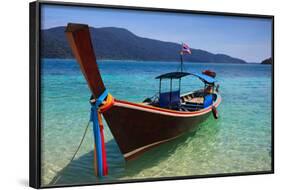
(98,106)
(104,106)
(55,180)
(81,141)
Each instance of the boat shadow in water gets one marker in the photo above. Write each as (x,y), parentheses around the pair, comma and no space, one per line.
(81,171)
(156,155)
(207,130)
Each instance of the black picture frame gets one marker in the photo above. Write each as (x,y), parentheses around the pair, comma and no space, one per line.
(35,84)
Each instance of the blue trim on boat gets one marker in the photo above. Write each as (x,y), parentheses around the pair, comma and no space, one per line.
(178,75)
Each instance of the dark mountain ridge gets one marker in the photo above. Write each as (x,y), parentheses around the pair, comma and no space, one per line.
(267,61)
(118,43)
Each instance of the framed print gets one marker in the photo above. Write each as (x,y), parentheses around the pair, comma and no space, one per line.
(130,94)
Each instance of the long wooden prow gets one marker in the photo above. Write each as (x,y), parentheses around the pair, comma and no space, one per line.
(79,38)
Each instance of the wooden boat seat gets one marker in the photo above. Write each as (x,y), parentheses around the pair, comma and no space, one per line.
(197,100)
(198,103)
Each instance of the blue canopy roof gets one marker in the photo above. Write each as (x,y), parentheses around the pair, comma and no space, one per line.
(203,77)
(172,75)
(178,75)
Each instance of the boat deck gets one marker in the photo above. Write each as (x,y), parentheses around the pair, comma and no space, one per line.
(197,100)
(190,102)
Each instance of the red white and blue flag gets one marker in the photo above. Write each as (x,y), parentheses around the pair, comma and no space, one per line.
(185,49)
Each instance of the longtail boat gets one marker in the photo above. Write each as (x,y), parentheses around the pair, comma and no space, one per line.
(137,127)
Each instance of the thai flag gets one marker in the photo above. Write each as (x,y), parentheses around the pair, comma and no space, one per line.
(185,49)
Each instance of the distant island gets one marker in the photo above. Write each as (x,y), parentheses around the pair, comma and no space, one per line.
(267,61)
(120,44)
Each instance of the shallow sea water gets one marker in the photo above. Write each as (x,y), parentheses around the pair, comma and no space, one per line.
(239,141)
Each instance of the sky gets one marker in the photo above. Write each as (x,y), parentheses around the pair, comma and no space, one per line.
(240,37)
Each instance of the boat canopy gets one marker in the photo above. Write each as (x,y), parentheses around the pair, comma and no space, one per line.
(204,78)
(179,75)
(172,75)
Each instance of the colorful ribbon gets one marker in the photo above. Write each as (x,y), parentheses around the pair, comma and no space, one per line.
(98,107)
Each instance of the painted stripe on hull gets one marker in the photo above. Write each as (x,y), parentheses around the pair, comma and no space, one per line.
(153,109)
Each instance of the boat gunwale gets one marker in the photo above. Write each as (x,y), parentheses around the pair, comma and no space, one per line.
(149,108)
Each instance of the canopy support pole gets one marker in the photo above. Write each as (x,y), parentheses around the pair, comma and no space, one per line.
(180,84)
(170,91)
(160,87)
(181,62)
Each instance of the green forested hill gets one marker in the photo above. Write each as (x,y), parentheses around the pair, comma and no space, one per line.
(118,43)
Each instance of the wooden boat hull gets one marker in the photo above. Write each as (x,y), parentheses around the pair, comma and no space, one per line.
(139,127)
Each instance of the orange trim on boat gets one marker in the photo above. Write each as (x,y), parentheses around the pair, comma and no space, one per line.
(108,103)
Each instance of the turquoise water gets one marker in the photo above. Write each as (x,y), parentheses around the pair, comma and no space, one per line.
(239,141)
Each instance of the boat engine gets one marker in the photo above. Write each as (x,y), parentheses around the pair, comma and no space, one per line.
(217,87)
